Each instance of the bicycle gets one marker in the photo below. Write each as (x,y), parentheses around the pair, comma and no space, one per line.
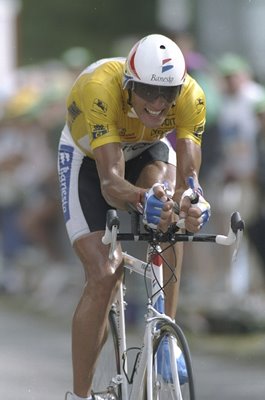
(145,380)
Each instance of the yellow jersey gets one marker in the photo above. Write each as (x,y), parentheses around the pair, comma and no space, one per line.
(98,111)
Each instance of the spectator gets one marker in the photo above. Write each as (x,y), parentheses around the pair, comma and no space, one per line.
(26,166)
(235,172)
(201,69)
(256,229)
(237,122)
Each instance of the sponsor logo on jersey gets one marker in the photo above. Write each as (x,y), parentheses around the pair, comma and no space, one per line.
(99,130)
(128,135)
(199,104)
(198,130)
(99,106)
(169,122)
(165,128)
(73,112)
(158,133)
(65,163)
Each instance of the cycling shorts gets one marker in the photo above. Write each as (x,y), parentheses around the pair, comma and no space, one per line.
(84,207)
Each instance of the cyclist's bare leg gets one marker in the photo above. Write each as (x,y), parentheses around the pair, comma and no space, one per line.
(91,315)
(174,257)
(159,172)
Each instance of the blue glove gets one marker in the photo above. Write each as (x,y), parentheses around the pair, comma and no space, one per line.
(152,208)
(205,208)
(203,205)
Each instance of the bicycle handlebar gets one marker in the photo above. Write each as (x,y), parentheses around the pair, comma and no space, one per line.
(172,235)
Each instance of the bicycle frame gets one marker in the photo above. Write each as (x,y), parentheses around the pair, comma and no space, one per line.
(155,305)
(155,309)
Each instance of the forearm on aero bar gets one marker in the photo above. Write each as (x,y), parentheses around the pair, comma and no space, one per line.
(122,194)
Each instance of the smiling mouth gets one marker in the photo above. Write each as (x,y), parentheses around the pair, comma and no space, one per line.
(153,113)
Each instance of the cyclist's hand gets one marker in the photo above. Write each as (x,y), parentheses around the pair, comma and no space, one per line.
(195,215)
(157,208)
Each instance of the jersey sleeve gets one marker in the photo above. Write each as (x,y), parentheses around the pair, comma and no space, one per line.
(191,113)
(100,105)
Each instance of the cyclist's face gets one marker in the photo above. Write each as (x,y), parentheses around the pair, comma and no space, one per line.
(152,107)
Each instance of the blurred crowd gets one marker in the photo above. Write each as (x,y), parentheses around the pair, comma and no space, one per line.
(32,234)
(231,174)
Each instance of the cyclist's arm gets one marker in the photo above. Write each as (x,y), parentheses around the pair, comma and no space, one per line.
(189,161)
(118,192)
(188,164)
(191,113)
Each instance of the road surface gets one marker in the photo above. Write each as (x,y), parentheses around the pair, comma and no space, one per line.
(35,362)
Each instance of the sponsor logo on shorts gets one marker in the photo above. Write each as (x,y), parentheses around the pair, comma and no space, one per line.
(65,163)
(135,146)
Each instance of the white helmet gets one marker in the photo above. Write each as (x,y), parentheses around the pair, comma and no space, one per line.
(155,60)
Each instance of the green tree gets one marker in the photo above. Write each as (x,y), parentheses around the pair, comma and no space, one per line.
(47,28)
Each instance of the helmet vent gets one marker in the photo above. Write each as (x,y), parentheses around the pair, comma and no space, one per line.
(162,47)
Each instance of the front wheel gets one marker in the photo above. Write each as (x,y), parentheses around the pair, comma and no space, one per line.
(167,382)
(108,369)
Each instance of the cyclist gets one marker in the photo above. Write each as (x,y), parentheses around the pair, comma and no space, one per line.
(113,153)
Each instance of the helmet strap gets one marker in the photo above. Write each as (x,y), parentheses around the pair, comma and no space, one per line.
(129,101)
